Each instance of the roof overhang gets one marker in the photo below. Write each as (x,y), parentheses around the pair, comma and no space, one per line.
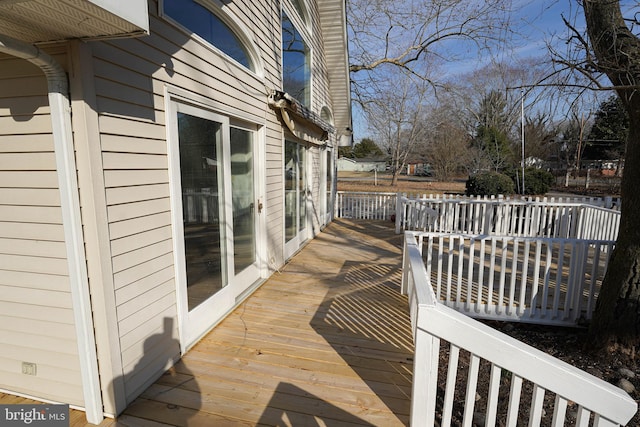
(41,21)
(333,22)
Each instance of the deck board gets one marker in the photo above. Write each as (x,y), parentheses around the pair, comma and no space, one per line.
(326,340)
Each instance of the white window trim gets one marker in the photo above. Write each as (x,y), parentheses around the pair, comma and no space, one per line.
(223,13)
(304,21)
(188,97)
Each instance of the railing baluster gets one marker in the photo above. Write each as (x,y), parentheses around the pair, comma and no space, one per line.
(544,306)
(503,274)
(514,400)
(470,265)
(472,385)
(449,268)
(522,301)
(559,411)
(558,287)
(591,300)
(579,279)
(535,282)
(492,270)
(440,259)
(537,400)
(599,421)
(583,417)
(514,274)
(450,388)
(481,269)
(460,269)
(493,395)
(429,259)
(571,280)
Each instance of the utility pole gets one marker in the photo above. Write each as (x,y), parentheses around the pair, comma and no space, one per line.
(522,133)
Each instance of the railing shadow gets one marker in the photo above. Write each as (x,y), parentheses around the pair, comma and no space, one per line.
(292,406)
(366,320)
(174,398)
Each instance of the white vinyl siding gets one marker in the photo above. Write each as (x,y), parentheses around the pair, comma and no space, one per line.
(320,98)
(131,79)
(36,313)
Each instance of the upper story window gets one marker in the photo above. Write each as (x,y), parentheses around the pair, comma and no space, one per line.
(202,21)
(296,60)
(326,115)
(301,10)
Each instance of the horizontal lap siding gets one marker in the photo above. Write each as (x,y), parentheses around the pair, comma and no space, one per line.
(321,99)
(130,80)
(36,315)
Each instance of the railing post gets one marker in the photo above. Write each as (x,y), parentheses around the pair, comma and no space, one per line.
(425,377)
(399,212)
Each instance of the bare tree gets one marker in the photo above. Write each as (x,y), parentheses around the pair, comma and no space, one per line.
(540,133)
(397,119)
(418,37)
(570,142)
(447,145)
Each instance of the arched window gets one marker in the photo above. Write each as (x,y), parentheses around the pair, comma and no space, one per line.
(202,21)
(326,115)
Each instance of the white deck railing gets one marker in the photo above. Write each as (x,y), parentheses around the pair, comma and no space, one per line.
(473,343)
(530,279)
(577,217)
(505,217)
(363,205)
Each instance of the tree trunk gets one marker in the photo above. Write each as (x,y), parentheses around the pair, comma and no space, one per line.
(617,53)
(394,177)
(617,315)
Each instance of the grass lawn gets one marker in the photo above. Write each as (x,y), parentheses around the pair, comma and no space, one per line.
(367,181)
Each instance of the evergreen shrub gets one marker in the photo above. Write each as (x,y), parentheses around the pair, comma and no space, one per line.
(489,184)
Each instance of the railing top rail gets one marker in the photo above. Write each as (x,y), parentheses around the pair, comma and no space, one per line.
(368,193)
(507,202)
(523,360)
(437,234)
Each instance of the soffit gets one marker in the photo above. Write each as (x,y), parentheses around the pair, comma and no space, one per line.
(38,21)
(334,33)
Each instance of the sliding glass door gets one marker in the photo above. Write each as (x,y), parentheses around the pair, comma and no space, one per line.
(215,218)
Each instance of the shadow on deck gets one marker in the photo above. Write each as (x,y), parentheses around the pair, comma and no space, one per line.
(324,341)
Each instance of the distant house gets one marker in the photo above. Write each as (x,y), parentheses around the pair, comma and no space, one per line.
(362,164)
(158,161)
(417,167)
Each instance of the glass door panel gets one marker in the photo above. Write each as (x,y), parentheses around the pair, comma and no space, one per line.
(302,188)
(295,196)
(243,199)
(201,181)
(290,190)
(329,186)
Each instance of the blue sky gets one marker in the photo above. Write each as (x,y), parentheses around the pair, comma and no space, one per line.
(533,24)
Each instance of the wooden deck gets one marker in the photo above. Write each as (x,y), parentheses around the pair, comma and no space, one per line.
(326,341)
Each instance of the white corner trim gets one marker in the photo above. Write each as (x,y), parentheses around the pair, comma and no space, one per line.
(71,218)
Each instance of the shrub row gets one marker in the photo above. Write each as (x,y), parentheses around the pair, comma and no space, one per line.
(536,182)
